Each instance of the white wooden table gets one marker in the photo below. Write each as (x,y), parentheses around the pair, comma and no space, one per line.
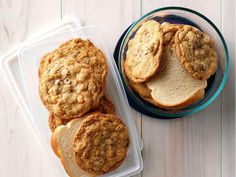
(202,145)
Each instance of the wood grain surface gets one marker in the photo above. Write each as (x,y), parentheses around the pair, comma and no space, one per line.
(201,145)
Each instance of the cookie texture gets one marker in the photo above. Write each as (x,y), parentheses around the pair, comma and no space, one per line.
(72,79)
(143,91)
(169,30)
(101,143)
(54,122)
(105,106)
(196,52)
(144,52)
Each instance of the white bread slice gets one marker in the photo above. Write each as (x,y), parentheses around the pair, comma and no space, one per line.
(61,143)
(173,87)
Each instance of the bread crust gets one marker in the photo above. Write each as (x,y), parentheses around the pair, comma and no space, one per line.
(193,99)
(55,146)
(145,93)
(144,52)
(54,143)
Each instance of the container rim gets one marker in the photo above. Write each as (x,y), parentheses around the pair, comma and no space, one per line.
(226,72)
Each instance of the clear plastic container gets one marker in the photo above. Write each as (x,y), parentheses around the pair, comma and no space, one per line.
(10,67)
(29,56)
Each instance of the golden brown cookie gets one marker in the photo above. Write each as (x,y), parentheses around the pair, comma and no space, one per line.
(105,106)
(55,121)
(144,52)
(101,143)
(196,52)
(169,31)
(143,91)
(72,82)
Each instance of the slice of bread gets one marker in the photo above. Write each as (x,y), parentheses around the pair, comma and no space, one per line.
(61,143)
(173,87)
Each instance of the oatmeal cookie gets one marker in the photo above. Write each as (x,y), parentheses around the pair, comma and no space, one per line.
(55,121)
(72,83)
(196,52)
(169,31)
(143,91)
(144,52)
(101,143)
(105,106)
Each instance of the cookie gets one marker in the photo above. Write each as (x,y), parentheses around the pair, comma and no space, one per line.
(143,91)
(45,59)
(55,122)
(196,52)
(169,31)
(144,52)
(101,143)
(105,106)
(72,82)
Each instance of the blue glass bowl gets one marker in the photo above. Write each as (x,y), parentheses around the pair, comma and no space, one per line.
(179,15)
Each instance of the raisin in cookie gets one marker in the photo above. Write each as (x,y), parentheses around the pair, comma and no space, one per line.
(101,143)
(72,83)
(196,52)
(144,52)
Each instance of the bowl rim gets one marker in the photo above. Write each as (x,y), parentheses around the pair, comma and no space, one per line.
(208,102)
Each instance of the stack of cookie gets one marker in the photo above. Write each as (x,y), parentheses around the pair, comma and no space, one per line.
(168,64)
(87,136)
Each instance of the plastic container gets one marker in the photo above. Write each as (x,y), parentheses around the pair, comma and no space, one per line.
(10,66)
(29,56)
(216,83)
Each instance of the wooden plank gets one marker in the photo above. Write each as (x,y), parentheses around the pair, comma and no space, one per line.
(111,17)
(228,95)
(20,152)
(189,146)
(185,147)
